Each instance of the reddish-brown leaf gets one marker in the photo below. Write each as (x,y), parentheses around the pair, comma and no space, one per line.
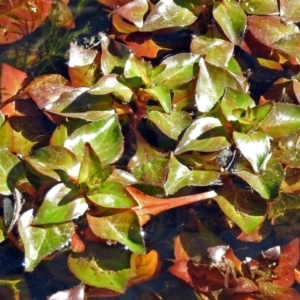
(141,44)
(180,270)
(19,18)
(288,259)
(77,244)
(84,66)
(149,205)
(11,81)
(134,12)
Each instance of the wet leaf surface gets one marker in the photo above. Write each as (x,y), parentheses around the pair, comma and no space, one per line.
(41,241)
(104,136)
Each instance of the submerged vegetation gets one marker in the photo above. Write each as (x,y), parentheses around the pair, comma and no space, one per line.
(150,157)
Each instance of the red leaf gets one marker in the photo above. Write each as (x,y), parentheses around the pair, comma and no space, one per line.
(19,18)
(180,270)
(288,259)
(149,205)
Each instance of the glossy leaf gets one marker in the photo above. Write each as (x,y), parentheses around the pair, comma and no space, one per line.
(267,182)
(282,120)
(110,84)
(137,68)
(112,195)
(168,14)
(149,205)
(289,44)
(6,132)
(49,159)
(215,50)
(255,147)
(241,207)
(232,19)
(104,136)
(41,241)
(289,11)
(9,171)
(232,100)
(20,18)
(91,175)
(101,266)
(143,267)
(61,203)
(114,55)
(162,95)
(211,84)
(134,12)
(260,7)
(120,226)
(148,164)
(172,124)
(180,176)
(269,29)
(83,66)
(210,133)
(179,69)
(141,44)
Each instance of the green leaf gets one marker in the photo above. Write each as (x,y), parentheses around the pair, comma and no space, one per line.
(285,209)
(41,241)
(162,95)
(284,119)
(110,84)
(104,136)
(138,68)
(114,56)
(180,176)
(255,147)
(210,132)
(232,20)
(260,7)
(120,226)
(179,70)
(216,51)
(6,133)
(168,14)
(148,165)
(241,207)
(211,84)
(172,124)
(10,169)
(232,100)
(289,44)
(267,182)
(80,104)
(60,204)
(91,175)
(101,266)
(51,158)
(112,194)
